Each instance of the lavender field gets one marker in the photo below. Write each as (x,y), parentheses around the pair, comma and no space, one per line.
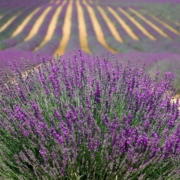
(86,89)
(57,27)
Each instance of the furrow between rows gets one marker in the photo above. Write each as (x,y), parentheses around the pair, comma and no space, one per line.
(52,26)
(66,31)
(149,23)
(131,26)
(97,28)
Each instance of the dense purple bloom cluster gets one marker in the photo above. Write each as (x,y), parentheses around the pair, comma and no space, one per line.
(86,118)
(13,59)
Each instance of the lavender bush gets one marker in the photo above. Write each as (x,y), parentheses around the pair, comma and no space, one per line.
(12,54)
(86,118)
(168,62)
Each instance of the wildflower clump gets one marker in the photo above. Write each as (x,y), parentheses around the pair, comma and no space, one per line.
(86,118)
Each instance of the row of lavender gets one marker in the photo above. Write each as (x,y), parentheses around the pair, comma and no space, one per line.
(25,12)
(169,8)
(128,45)
(7,6)
(139,2)
(170,12)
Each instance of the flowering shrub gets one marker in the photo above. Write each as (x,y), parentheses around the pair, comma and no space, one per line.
(86,118)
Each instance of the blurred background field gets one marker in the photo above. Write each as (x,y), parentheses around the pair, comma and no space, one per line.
(140,30)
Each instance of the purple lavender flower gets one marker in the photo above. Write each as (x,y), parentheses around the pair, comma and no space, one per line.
(99,119)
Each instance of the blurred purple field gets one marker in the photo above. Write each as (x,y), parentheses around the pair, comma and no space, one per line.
(141,30)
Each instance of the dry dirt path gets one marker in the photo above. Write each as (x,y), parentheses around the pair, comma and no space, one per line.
(138,25)
(38,24)
(2,28)
(51,27)
(25,22)
(162,33)
(82,28)
(164,24)
(111,26)
(66,31)
(97,28)
(123,24)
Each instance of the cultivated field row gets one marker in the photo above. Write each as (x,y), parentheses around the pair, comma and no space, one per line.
(54,23)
